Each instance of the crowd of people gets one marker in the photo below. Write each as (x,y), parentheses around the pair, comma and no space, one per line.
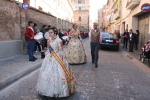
(132,38)
(42,43)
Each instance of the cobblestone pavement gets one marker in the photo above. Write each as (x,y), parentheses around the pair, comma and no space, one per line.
(118,77)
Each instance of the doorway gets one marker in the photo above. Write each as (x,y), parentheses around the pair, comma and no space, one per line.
(143,29)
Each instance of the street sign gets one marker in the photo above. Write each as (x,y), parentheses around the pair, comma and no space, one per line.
(25,5)
(145,7)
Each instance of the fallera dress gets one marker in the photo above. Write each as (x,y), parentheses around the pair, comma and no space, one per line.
(75,53)
(52,81)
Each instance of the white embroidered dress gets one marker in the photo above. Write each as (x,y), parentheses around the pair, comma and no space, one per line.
(52,81)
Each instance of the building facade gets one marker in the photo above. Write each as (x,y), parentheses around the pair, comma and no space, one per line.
(134,18)
(81,14)
(100,19)
(128,14)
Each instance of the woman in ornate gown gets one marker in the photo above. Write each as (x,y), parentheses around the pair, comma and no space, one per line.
(75,53)
(52,80)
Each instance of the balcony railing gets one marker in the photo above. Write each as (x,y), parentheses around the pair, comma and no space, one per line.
(112,20)
(132,4)
(117,15)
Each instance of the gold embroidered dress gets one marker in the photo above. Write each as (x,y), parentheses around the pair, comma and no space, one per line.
(52,81)
(75,53)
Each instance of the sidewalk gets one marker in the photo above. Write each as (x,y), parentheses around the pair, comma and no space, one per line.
(134,54)
(13,68)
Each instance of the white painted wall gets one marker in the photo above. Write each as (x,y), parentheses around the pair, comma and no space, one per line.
(63,12)
(127,15)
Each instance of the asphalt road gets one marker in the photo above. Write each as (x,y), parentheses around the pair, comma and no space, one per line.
(118,77)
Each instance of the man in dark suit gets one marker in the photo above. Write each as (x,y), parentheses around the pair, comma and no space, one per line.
(44,41)
(61,35)
(125,38)
(131,40)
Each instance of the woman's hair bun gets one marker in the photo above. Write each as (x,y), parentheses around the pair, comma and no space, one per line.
(54,29)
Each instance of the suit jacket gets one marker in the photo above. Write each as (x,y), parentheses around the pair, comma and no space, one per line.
(132,38)
(60,35)
(136,38)
(29,33)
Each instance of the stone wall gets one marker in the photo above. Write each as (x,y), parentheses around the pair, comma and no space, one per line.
(39,17)
(9,21)
(14,20)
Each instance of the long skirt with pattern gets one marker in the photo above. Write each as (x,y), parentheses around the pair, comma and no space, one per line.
(75,53)
(52,81)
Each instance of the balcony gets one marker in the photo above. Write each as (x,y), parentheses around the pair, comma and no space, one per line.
(113,4)
(132,4)
(117,15)
(112,20)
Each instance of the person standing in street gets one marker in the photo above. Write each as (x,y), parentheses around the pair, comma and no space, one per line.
(137,39)
(75,53)
(118,34)
(37,43)
(29,33)
(131,40)
(125,38)
(55,78)
(94,36)
(44,41)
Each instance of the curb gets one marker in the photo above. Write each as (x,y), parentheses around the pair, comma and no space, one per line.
(14,78)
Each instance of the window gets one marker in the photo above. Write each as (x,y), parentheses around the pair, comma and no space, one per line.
(58,2)
(108,35)
(79,1)
(82,8)
(77,8)
(79,18)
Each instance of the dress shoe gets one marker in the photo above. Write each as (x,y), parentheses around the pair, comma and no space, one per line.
(96,65)
(32,60)
(35,58)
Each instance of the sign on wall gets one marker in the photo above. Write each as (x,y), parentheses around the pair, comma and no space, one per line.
(25,5)
(145,7)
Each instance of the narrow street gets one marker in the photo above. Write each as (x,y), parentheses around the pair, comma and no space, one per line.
(116,78)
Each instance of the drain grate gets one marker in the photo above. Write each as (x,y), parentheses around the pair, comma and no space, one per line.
(129,57)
